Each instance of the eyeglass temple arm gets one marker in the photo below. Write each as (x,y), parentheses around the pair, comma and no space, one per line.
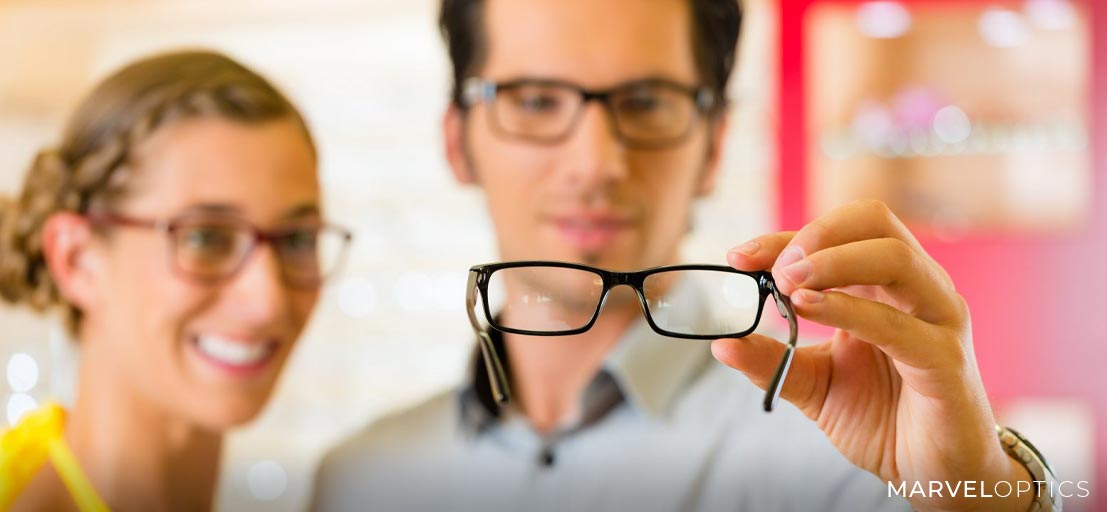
(492,366)
(784,306)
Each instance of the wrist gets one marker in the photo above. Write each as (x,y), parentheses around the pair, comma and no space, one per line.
(1016,478)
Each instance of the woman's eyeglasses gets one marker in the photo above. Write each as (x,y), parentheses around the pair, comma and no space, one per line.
(549,298)
(211,249)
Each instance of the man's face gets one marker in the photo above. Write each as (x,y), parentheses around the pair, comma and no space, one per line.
(588,198)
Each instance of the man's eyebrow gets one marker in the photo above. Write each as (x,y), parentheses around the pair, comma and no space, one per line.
(213,208)
(303,210)
(536,78)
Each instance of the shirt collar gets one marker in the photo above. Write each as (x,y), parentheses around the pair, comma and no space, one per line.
(652,370)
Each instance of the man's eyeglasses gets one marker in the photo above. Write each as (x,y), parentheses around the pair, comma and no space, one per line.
(549,298)
(647,114)
(211,249)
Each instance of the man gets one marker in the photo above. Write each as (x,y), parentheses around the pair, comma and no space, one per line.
(619,417)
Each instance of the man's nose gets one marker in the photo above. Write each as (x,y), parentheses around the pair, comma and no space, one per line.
(596,157)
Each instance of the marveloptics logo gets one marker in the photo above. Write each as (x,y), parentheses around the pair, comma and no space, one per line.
(977,489)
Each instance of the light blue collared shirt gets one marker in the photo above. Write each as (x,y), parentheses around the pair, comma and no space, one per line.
(663,426)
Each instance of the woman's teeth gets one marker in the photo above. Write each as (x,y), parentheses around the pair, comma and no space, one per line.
(233,353)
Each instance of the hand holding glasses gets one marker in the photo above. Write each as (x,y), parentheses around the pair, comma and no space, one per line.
(210,249)
(549,298)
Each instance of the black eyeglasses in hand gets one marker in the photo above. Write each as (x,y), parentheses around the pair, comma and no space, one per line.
(551,298)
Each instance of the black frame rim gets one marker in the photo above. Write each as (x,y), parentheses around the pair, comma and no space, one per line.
(612,279)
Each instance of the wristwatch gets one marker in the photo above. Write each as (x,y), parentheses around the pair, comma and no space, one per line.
(1046,499)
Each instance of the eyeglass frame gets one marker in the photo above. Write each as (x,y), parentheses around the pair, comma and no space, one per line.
(480,276)
(477,90)
(258,236)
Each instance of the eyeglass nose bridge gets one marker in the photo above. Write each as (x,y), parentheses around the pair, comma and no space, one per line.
(246,259)
(604,99)
(613,280)
(632,280)
(620,279)
(600,96)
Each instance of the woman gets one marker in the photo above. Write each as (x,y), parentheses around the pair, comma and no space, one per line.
(178,225)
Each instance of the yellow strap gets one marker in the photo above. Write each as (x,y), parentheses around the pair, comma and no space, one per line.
(26,447)
(74,479)
(23,450)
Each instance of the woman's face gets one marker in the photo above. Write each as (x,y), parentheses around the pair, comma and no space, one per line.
(209,352)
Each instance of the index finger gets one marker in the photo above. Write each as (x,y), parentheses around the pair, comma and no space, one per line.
(759,253)
(854,222)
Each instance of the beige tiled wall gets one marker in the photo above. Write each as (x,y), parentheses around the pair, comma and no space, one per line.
(371,77)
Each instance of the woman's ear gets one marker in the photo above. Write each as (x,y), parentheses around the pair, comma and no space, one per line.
(717,130)
(453,133)
(74,265)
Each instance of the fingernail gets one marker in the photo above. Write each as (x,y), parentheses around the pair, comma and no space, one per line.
(789,256)
(808,296)
(797,272)
(749,248)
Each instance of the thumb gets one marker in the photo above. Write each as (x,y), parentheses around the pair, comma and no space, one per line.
(758,356)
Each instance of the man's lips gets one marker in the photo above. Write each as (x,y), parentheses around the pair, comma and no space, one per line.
(590,232)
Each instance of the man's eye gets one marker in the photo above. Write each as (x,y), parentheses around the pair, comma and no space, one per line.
(537,102)
(640,103)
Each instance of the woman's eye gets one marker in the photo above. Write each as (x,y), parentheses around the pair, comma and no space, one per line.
(300,241)
(209,239)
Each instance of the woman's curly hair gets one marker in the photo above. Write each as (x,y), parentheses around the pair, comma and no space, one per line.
(87,170)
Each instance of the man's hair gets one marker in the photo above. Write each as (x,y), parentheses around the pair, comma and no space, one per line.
(715,28)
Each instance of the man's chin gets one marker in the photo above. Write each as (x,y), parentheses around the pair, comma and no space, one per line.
(607,260)
(617,256)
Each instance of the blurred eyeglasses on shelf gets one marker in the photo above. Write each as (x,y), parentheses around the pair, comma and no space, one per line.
(551,298)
